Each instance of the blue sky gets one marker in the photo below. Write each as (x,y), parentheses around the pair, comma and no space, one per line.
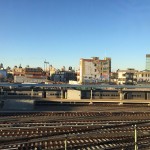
(63,31)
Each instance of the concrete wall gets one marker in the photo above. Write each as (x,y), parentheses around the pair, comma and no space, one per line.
(74,94)
(22,79)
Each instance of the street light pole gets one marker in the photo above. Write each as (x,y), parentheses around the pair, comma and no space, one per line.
(45,69)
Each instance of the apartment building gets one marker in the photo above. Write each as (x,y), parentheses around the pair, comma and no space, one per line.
(128,76)
(95,70)
(148,62)
(143,76)
(64,76)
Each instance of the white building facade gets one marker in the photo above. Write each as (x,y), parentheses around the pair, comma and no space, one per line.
(143,76)
(128,76)
(95,70)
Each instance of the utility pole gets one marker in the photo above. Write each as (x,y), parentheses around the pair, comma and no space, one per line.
(135,137)
(65,142)
(44,65)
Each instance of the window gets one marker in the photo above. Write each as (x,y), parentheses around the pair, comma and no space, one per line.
(124,75)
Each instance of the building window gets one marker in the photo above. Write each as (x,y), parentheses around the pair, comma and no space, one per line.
(95,70)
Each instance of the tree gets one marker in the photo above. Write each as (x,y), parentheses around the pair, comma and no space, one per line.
(8,68)
(10,77)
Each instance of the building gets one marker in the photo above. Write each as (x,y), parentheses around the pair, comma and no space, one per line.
(31,75)
(52,70)
(3,75)
(64,76)
(37,73)
(18,71)
(128,76)
(143,76)
(147,61)
(78,75)
(132,76)
(114,77)
(95,70)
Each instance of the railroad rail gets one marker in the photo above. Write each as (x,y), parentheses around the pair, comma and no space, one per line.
(75,130)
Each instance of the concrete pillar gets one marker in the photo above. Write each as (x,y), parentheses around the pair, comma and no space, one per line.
(91,94)
(65,94)
(91,97)
(62,93)
(32,93)
(121,94)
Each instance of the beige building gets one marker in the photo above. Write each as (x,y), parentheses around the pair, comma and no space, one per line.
(133,76)
(143,76)
(128,76)
(52,70)
(35,75)
(18,71)
(95,70)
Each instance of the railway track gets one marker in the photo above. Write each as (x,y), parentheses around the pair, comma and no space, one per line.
(79,130)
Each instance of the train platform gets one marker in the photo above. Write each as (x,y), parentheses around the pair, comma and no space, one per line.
(125,101)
